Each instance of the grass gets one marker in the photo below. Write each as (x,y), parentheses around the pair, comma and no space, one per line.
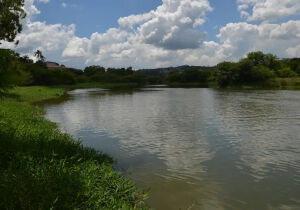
(35,93)
(42,168)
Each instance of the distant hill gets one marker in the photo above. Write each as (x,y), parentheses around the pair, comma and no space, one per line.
(168,70)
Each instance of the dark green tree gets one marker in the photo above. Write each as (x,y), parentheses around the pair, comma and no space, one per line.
(11,70)
(11,11)
(286,72)
(262,73)
(245,70)
(39,56)
(91,70)
(258,58)
(227,74)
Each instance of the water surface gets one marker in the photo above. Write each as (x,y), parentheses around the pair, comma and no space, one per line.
(195,148)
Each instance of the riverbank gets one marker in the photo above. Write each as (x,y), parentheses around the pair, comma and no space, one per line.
(274,83)
(43,168)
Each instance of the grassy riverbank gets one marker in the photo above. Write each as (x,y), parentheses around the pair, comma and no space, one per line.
(42,168)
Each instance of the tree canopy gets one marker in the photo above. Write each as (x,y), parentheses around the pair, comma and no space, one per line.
(11,11)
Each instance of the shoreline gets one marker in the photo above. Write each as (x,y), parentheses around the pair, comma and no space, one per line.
(41,167)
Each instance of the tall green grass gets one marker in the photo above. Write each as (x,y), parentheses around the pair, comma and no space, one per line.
(42,168)
(34,93)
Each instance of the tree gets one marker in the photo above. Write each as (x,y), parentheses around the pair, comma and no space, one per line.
(272,62)
(91,70)
(258,58)
(39,55)
(11,70)
(262,73)
(11,11)
(246,69)
(286,73)
(227,74)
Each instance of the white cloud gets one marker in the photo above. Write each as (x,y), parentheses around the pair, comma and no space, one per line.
(269,10)
(240,38)
(64,5)
(44,1)
(129,22)
(174,21)
(30,9)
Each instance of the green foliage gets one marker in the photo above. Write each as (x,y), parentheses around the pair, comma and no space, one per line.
(190,76)
(155,80)
(286,73)
(36,93)
(294,64)
(269,60)
(257,67)
(39,55)
(42,168)
(90,70)
(121,71)
(227,74)
(42,76)
(11,70)
(256,57)
(113,75)
(246,70)
(272,62)
(11,11)
(137,78)
(262,73)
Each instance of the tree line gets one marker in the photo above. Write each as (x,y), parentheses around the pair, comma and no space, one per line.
(21,70)
(257,67)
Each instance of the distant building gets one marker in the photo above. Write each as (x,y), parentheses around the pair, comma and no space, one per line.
(53,65)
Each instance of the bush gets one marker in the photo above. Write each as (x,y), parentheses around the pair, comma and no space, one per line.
(286,73)
(138,78)
(227,74)
(262,73)
(42,76)
(11,70)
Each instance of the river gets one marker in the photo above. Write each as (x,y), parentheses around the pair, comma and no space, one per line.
(194,148)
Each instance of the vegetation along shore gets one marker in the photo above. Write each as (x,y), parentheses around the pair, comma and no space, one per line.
(43,168)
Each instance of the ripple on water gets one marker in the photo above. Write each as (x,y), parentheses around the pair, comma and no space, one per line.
(203,148)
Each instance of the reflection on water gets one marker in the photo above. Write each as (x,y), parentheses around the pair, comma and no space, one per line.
(195,148)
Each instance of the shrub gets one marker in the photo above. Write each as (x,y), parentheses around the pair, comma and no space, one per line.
(262,73)
(11,70)
(227,74)
(286,73)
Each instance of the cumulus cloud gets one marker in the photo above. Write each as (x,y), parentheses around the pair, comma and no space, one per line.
(293,51)
(30,9)
(269,10)
(174,21)
(239,38)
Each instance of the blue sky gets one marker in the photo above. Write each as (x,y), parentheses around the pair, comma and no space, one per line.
(91,16)
(158,33)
